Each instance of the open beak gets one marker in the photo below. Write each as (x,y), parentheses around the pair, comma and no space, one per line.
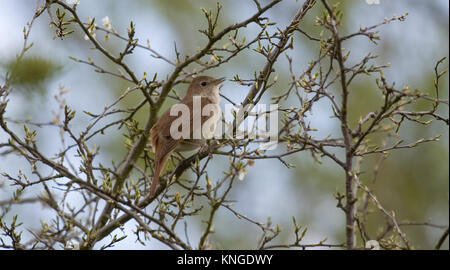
(219,81)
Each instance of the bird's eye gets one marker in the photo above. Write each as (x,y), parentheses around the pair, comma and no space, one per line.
(203,83)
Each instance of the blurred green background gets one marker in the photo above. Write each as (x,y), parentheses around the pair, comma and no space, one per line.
(414,182)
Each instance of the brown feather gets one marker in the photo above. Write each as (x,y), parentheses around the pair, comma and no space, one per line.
(160,138)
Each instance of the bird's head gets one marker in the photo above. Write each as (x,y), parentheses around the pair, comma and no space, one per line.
(204,86)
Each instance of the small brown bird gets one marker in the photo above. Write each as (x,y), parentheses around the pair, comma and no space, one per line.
(200,112)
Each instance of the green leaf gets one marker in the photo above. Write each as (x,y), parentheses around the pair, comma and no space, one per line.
(31,73)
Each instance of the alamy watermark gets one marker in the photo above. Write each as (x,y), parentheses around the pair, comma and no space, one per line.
(255,122)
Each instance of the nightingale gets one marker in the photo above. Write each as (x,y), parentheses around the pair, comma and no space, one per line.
(200,112)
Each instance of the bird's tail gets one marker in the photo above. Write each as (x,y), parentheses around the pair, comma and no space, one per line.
(160,163)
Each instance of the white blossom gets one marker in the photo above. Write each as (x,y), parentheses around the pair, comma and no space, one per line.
(373,245)
(371,2)
(106,23)
(241,174)
(72,2)
(91,30)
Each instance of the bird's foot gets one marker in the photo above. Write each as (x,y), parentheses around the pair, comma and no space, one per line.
(205,149)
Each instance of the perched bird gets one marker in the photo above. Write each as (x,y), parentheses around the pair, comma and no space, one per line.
(200,112)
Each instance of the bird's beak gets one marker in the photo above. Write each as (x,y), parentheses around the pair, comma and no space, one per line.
(219,81)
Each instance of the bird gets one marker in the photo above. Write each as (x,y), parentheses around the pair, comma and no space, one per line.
(200,112)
